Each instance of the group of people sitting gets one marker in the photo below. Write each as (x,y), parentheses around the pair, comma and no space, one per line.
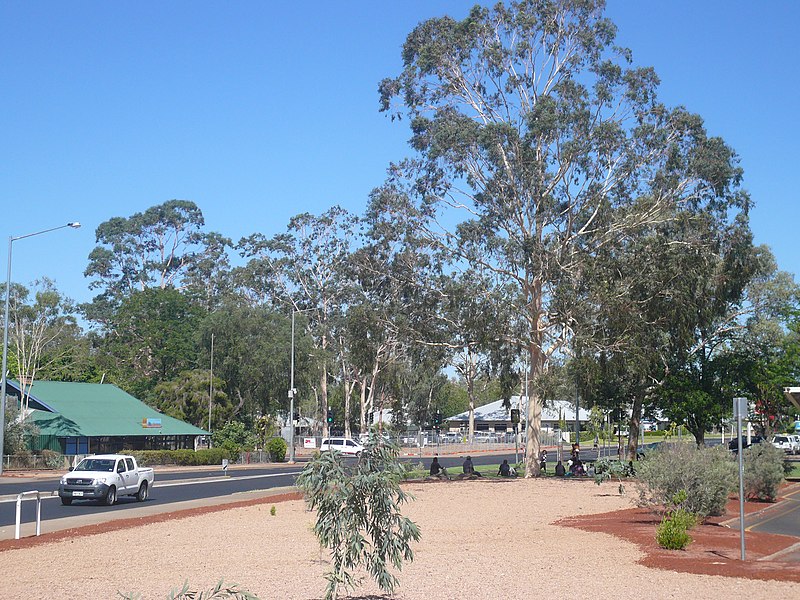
(468,469)
(575,466)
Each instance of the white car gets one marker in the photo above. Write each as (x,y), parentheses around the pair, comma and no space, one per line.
(784,442)
(796,438)
(343,445)
(105,477)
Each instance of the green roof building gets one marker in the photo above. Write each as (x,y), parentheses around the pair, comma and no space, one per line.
(93,418)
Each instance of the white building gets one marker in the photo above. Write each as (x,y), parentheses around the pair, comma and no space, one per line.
(495,417)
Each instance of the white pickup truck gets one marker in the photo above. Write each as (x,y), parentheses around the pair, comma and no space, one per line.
(105,477)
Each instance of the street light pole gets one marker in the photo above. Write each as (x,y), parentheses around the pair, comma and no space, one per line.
(11,240)
(291,398)
(292,390)
(210,389)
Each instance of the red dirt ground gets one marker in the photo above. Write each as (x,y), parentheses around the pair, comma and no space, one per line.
(715,549)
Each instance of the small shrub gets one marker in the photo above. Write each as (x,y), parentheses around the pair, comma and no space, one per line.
(277,449)
(272,510)
(763,471)
(606,468)
(358,515)
(53,459)
(671,534)
(219,591)
(707,475)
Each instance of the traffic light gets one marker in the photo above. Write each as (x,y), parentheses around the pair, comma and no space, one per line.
(437,420)
(330,417)
(296,416)
(515,416)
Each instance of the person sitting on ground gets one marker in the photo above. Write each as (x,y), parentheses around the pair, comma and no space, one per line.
(576,469)
(469,469)
(560,470)
(505,469)
(436,468)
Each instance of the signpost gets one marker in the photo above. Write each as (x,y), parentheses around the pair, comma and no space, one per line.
(740,408)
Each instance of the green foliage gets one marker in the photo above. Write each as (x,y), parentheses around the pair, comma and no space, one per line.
(277,449)
(272,510)
(763,471)
(17,433)
(235,438)
(204,456)
(153,340)
(707,475)
(186,398)
(672,532)
(218,592)
(358,515)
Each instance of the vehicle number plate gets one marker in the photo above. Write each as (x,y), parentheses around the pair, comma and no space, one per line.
(77,493)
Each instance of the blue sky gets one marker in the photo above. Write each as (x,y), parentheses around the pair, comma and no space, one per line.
(258,111)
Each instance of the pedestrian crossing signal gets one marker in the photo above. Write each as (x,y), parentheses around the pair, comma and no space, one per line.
(515,416)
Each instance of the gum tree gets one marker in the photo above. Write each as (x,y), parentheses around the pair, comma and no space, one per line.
(536,129)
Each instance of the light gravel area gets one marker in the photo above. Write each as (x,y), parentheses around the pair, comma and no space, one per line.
(480,539)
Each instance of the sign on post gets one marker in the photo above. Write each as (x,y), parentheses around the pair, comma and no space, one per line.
(740,410)
(740,407)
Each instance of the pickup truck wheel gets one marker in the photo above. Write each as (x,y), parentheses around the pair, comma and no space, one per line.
(111,496)
(66,501)
(141,496)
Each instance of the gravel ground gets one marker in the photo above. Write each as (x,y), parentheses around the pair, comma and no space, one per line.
(480,539)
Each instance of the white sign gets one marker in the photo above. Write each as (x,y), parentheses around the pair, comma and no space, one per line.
(309,442)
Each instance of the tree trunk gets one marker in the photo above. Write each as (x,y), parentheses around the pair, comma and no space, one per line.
(533,445)
(362,383)
(471,392)
(634,427)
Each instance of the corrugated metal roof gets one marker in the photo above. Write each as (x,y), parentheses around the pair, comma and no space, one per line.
(93,409)
(552,411)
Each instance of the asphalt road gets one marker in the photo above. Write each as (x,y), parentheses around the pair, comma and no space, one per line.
(172,491)
(783,518)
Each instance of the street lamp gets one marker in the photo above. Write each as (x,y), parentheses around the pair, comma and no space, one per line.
(11,240)
(293,390)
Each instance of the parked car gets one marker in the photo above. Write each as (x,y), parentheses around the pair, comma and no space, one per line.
(754,439)
(783,442)
(796,439)
(341,444)
(105,477)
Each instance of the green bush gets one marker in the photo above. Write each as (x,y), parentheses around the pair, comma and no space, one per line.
(671,533)
(763,471)
(53,459)
(277,449)
(204,456)
(708,475)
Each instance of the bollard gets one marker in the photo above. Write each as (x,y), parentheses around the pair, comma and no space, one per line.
(38,512)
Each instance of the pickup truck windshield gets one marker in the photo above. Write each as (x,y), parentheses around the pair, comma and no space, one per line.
(95,464)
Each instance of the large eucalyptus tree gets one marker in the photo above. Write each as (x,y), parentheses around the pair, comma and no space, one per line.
(305,269)
(532,122)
